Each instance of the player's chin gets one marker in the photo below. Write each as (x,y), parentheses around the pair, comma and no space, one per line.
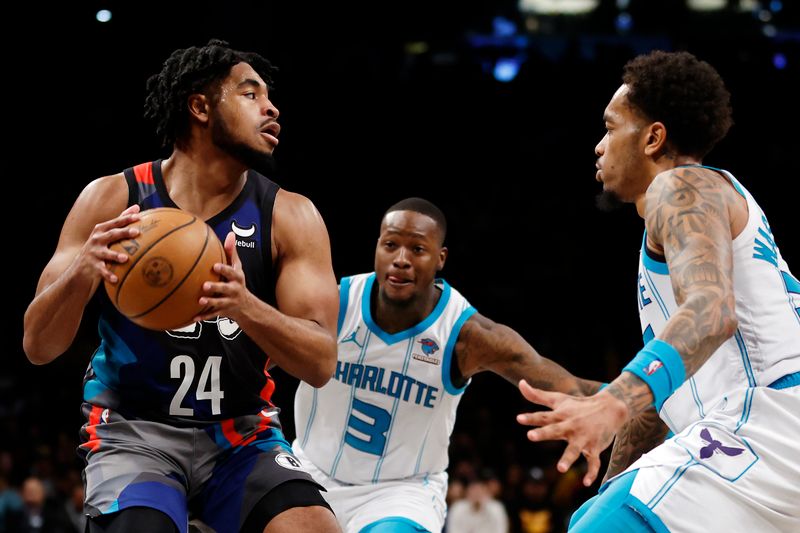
(398,293)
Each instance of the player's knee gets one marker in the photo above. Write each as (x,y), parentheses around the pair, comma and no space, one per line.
(394,525)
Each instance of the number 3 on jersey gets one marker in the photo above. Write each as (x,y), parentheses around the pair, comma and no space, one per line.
(367,427)
(208,388)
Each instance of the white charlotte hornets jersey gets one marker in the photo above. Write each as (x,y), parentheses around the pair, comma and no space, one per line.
(766,345)
(389,410)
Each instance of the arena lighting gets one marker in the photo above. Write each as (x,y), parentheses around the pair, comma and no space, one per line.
(624,22)
(506,69)
(557,7)
(779,61)
(104,15)
(706,5)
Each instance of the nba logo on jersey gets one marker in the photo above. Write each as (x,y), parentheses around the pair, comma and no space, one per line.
(429,347)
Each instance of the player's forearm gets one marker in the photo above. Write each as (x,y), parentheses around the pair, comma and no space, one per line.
(636,437)
(548,375)
(53,317)
(694,333)
(299,346)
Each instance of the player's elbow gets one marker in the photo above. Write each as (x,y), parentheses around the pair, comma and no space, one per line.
(35,351)
(729,326)
(729,323)
(325,369)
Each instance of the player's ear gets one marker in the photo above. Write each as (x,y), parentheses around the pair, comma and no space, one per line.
(198,107)
(656,139)
(442,258)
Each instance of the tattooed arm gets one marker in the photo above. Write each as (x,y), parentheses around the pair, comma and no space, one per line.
(688,214)
(486,345)
(639,435)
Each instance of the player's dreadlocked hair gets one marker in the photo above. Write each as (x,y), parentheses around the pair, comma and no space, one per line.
(423,206)
(190,71)
(684,93)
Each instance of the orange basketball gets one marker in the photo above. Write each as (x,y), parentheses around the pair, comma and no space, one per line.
(159,286)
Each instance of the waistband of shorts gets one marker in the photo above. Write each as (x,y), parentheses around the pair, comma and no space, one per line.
(789,380)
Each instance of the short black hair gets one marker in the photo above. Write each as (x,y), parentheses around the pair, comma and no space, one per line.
(423,206)
(686,94)
(189,71)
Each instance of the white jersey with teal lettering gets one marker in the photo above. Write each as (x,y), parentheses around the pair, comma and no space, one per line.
(766,345)
(389,409)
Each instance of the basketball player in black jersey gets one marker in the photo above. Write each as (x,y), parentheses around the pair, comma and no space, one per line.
(180,423)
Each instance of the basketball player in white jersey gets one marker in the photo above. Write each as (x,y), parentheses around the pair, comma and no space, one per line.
(720,318)
(376,435)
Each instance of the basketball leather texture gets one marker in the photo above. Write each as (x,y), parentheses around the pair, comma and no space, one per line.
(160,284)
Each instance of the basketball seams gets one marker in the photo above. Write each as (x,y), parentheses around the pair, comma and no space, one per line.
(180,283)
(142,253)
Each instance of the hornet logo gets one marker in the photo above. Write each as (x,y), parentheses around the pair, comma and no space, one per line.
(715,445)
(429,346)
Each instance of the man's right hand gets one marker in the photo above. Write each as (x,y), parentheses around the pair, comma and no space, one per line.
(93,259)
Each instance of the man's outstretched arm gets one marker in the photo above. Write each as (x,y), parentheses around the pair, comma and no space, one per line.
(687,212)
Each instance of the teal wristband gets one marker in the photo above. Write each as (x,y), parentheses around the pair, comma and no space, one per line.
(660,366)
(602,386)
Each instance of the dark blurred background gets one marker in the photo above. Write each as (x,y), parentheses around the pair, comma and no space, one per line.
(491,110)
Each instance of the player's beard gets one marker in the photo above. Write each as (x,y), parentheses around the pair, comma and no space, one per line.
(608,201)
(222,136)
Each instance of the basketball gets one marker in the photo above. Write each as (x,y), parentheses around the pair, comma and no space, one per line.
(160,284)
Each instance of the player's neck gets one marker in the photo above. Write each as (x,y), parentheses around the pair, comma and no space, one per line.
(394,317)
(201,184)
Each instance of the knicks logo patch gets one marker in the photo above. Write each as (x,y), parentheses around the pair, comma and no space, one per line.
(652,367)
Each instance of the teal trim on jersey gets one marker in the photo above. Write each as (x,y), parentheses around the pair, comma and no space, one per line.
(748,369)
(391,338)
(394,524)
(448,352)
(616,510)
(421,452)
(113,508)
(734,181)
(667,486)
(376,475)
(792,286)
(106,370)
(697,401)
(360,361)
(651,264)
(310,416)
(787,381)
(656,295)
(748,402)
(344,299)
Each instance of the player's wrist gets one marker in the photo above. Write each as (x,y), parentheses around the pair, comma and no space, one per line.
(659,365)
